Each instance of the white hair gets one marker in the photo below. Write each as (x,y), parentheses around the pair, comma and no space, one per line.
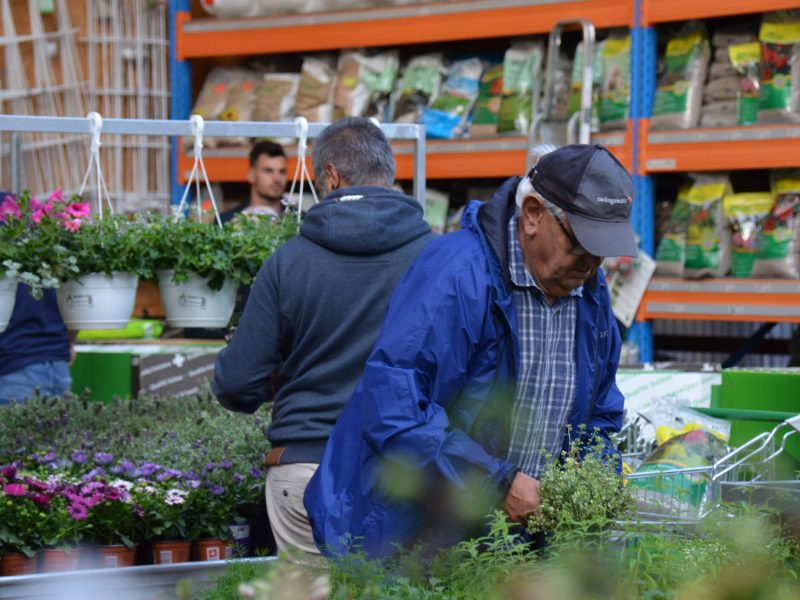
(525,187)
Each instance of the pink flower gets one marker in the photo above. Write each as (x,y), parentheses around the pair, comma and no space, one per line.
(57,195)
(36,216)
(78,210)
(71,224)
(78,512)
(10,207)
(14,489)
(43,207)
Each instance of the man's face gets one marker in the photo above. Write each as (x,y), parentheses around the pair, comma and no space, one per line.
(549,253)
(268,177)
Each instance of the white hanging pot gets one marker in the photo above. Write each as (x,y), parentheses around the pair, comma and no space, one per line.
(8,295)
(96,301)
(194,304)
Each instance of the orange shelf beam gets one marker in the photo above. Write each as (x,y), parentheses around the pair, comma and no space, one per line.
(753,147)
(389,26)
(660,11)
(445,159)
(769,300)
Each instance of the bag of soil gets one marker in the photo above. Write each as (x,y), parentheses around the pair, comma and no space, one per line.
(745,58)
(379,75)
(315,93)
(276,97)
(746,214)
(486,115)
(576,82)
(679,91)
(779,96)
(418,87)
(241,106)
(615,88)
(708,239)
(778,242)
(522,70)
(671,253)
(446,118)
(720,113)
(213,97)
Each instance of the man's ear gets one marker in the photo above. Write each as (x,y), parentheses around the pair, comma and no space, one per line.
(251,176)
(531,215)
(333,178)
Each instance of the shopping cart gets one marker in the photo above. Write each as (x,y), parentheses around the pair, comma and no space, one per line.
(686,495)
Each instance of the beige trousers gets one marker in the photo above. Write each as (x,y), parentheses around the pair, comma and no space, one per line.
(285,487)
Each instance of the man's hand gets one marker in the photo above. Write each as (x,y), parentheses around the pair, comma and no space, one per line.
(522,498)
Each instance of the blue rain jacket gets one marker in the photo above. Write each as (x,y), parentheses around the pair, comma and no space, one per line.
(437,390)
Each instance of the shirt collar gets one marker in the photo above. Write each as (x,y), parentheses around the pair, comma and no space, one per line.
(520,276)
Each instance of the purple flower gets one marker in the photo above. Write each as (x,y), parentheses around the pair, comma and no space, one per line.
(77,511)
(9,472)
(194,484)
(115,494)
(237,478)
(138,511)
(190,475)
(127,465)
(225,464)
(116,469)
(103,458)
(96,472)
(209,466)
(14,489)
(148,469)
(78,457)
(217,490)
(163,476)
(42,500)
(256,473)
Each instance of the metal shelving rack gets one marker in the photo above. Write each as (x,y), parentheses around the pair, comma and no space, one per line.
(643,151)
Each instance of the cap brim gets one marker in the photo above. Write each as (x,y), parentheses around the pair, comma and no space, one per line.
(602,238)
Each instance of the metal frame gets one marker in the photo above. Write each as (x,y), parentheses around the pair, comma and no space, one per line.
(80,125)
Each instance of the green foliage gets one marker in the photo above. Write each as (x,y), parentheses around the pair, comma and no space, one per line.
(236,250)
(582,490)
(20,525)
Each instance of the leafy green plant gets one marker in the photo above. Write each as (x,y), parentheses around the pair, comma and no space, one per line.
(163,511)
(236,250)
(581,489)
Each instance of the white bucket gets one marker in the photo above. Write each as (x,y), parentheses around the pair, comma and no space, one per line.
(194,304)
(8,295)
(96,301)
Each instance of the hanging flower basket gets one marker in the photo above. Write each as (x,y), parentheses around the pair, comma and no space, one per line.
(97,301)
(8,295)
(193,303)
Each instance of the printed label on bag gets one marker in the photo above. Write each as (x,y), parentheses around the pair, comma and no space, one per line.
(191,301)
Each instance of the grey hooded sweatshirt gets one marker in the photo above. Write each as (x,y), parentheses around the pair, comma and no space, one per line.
(314,313)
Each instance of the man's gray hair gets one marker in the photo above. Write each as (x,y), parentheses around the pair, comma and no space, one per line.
(525,186)
(359,151)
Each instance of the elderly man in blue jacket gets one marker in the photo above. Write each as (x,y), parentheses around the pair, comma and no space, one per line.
(498,342)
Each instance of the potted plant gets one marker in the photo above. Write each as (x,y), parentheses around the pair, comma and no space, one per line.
(94,263)
(64,524)
(22,507)
(113,523)
(200,265)
(163,520)
(211,512)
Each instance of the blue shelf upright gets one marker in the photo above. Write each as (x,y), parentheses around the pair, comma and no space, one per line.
(180,72)
(644,50)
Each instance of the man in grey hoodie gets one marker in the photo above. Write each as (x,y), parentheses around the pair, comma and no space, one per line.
(315,311)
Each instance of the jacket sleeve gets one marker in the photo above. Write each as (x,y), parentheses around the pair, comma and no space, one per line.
(243,368)
(606,414)
(436,343)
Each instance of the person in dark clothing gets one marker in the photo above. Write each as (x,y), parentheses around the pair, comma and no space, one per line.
(315,311)
(267,178)
(34,349)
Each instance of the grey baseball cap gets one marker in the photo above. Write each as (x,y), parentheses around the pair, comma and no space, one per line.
(589,184)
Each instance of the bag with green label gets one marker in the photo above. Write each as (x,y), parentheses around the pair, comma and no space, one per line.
(522,68)
(746,58)
(778,242)
(615,88)
(671,252)
(418,87)
(779,96)
(487,107)
(679,92)
(746,214)
(708,239)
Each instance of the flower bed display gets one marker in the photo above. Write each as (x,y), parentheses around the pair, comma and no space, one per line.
(77,475)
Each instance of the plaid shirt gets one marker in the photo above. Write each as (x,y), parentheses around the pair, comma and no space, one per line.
(545,388)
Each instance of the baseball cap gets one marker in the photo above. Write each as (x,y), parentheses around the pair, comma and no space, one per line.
(589,184)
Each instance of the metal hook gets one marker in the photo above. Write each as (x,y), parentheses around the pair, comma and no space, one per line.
(302,135)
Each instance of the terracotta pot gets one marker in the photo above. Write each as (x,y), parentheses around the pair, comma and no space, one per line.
(213,549)
(115,556)
(16,563)
(171,551)
(53,560)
